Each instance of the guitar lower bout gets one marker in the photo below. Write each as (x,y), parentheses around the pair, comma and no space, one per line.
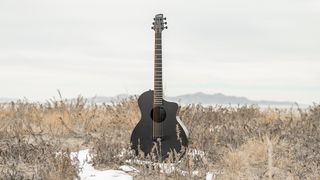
(171,136)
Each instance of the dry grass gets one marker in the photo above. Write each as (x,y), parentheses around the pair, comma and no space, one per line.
(243,142)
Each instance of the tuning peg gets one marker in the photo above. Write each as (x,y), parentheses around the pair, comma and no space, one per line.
(153,23)
(154,18)
(164,18)
(166,27)
(165,22)
(152,27)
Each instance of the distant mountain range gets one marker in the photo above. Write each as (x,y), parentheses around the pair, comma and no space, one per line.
(201,98)
(194,98)
(220,98)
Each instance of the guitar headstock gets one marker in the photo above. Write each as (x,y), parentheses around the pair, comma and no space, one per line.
(159,23)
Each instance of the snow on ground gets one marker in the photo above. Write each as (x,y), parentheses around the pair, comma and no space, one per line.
(89,173)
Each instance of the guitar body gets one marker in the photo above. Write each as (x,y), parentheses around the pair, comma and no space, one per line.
(142,136)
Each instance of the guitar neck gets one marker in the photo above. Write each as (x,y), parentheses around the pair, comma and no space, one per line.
(158,88)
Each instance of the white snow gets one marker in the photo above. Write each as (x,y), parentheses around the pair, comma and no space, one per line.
(89,173)
(210,176)
(127,168)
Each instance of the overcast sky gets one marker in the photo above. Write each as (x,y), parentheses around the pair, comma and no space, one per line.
(259,49)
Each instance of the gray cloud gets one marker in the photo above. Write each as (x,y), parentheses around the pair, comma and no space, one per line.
(260,49)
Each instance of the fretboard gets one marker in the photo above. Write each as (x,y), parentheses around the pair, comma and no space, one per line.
(158,90)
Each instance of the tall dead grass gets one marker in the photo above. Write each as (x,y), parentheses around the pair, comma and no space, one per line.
(243,142)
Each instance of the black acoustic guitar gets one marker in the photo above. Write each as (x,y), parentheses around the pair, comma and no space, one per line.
(160,132)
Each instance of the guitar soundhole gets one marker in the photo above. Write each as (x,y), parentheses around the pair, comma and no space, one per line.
(158,114)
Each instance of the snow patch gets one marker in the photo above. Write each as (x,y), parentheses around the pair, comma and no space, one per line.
(89,173)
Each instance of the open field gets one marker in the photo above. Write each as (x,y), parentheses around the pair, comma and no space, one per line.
(243,142)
